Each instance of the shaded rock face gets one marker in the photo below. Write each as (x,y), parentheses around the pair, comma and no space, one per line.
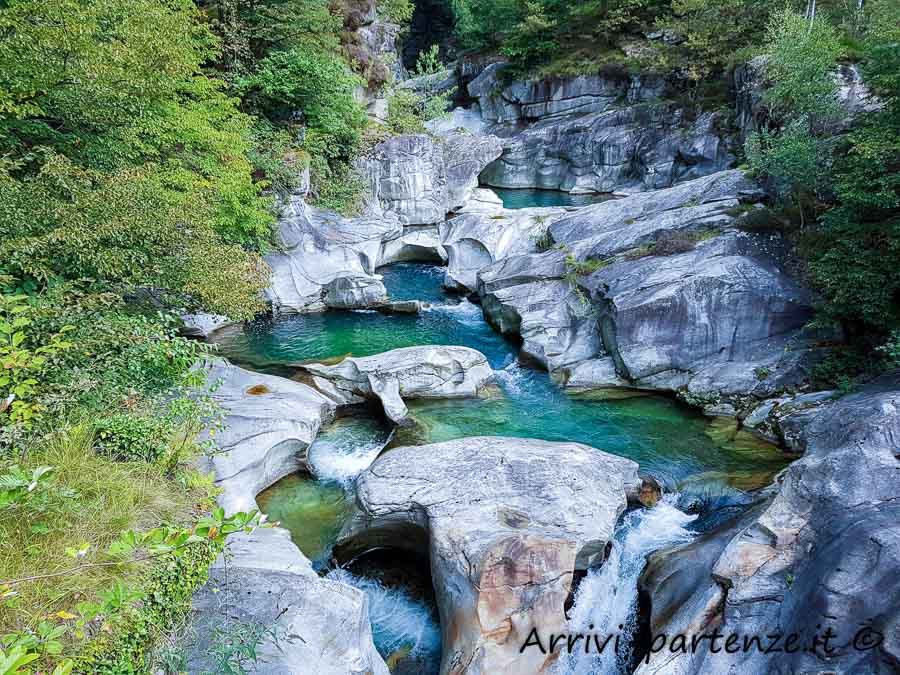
(420,178)
(825,550)
(318,625)
(594,133)
(712,321)
(507,523)
(490,233)
(328,260)
(406,373)
(707,320)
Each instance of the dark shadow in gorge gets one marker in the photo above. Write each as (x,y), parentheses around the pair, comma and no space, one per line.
(432,23)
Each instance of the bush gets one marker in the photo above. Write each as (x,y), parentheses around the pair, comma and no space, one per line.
(127,437)
(672,243)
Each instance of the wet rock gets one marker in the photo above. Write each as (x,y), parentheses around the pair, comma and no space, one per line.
(407,373)
(421,178)
(269,424)
(508,521)
(824,553)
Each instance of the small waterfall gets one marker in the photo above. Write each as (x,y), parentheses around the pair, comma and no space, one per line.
(464,311)
(400,624)
(512,378)
(346,449)
(607,597)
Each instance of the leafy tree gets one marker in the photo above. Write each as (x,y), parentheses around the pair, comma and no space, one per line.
(713,32)
(800,56)
(314,84)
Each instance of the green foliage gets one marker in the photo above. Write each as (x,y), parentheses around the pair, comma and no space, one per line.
(800,57)
(315,83)
(429,61)
(397,11)
(126,437)
(408,111)
(23,361)
(712,32)
(533,39)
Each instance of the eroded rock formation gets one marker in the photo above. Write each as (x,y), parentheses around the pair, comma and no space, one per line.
(507,522)
(407,373)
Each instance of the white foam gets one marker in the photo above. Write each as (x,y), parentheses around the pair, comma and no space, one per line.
(607,597)
(344,451)
(398,620)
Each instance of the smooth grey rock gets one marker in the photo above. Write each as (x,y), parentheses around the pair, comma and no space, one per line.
(316,625)
(269,424)
(201,324)
(328,260)
(418,243)
(611,227)
(354,292)
(507,522)
(616,225)
(627,150)
(718,319)
(264,581)
(534,100)
(825,551)
(421,178)
(474,241)
(406,373)
(458,120)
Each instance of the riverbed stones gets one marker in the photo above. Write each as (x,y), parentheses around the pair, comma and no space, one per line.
(406,373)
(420,178)
(825,552)
(507,522)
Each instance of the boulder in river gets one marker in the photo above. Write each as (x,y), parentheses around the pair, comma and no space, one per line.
(507,522)
(327,260)
(406,373)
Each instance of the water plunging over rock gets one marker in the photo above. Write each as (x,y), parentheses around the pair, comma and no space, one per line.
(507,523)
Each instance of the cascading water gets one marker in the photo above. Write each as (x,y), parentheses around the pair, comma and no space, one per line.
(346,448)
(401,625)
(606,601)
(668,442)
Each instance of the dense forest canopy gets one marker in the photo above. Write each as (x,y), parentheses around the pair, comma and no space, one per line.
(146,147)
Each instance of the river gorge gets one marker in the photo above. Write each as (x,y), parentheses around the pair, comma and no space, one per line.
(554,378)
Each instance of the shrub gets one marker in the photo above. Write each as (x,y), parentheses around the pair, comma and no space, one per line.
(127,437)
(672,243)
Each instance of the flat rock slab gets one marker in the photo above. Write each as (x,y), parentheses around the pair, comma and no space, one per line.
(507,522)
(406,373)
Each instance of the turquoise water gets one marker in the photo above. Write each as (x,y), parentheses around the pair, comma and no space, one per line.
(526,198)
(686,452)
(670,442)
(414,281)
